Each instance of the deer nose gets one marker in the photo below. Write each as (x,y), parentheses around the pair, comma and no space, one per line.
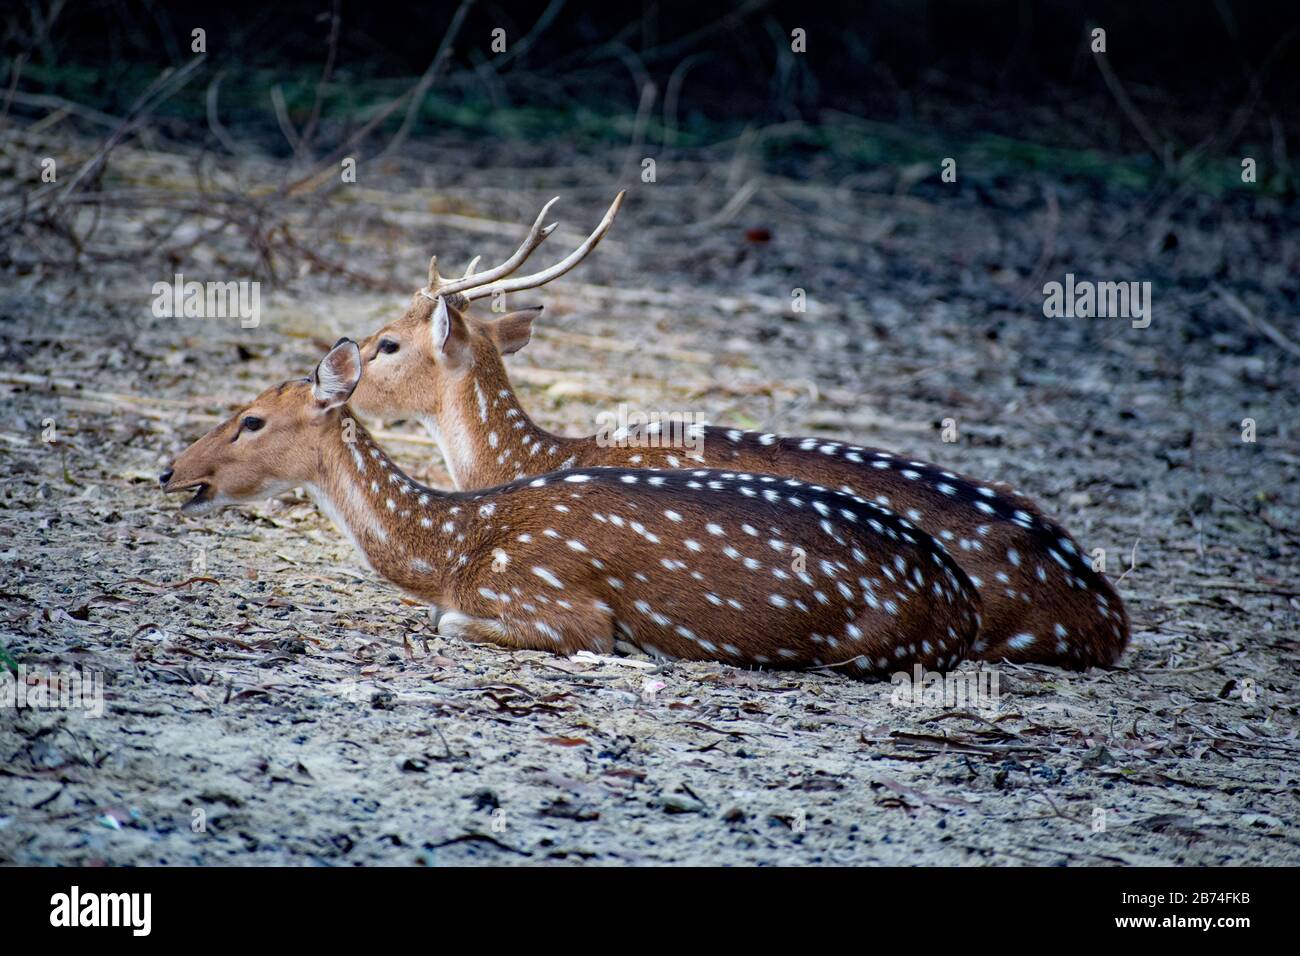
(166,476)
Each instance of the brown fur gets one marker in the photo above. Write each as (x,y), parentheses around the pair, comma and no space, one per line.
(747,569)
(1042,601)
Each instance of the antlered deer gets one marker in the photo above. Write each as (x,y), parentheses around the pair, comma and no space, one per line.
(746,569)
(1042,601)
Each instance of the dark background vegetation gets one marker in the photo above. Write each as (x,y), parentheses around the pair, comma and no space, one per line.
(1209,76)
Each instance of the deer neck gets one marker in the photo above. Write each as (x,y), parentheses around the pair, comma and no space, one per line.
(485,436)
(401,528)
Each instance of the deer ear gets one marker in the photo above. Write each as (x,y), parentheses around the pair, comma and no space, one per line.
(337,374)
(511,332)
(447,330)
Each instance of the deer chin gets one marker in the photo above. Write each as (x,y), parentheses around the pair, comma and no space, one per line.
(202,501)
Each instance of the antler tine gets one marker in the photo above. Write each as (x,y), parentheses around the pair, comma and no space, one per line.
(480,290)
(435,280)
(536,235)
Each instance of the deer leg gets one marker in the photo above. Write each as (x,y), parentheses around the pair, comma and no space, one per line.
(477,630)
(589,630)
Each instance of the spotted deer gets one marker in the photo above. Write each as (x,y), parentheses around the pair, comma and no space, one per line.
(1042,601)
(699,564)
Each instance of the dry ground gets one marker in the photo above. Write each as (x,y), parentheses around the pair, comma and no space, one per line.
(276,704)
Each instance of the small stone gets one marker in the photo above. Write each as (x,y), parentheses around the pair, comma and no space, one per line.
(680,803)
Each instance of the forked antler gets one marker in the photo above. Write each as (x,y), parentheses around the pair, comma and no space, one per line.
(536,235)
(478,285)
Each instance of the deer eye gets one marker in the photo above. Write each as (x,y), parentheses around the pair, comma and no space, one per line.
(388,346)
(252,423)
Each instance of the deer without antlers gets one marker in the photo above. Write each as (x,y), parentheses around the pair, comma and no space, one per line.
(701,564)
(1042,600)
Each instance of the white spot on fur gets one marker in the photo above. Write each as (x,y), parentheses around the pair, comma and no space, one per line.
(548,577)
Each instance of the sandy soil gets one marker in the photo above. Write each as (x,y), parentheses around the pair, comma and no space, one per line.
(270,702)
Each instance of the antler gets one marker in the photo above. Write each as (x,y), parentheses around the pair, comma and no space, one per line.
(478,286)
(536,236)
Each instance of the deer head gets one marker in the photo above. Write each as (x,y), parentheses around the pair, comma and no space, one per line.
(270,445)
(418,364)
(416,360)
(443,366)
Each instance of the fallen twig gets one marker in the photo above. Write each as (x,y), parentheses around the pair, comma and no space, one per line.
(1258,323)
